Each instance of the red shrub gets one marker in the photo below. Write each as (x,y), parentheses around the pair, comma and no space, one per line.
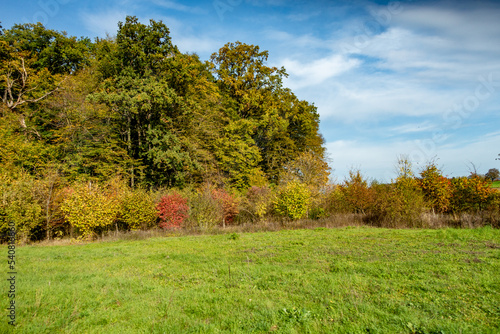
(172,210)
(229,204)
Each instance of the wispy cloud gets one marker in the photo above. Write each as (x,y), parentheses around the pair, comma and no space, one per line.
(103,22)
(167,4)
(303,74)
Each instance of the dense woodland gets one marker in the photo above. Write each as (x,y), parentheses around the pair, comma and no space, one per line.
(128,133)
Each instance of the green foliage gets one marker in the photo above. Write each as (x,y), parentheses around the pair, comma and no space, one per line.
(276,122)
(50,49)
(82,132)
(19,205)
(493,174)
(237,154)
(138,209)
(135,106)
(292,200)
(89,208)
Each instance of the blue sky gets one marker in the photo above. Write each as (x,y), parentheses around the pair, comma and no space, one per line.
(420,78)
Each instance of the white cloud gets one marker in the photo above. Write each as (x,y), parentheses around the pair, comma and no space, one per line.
(167,4)
(103,22)
(371,158)
(303,74)
(200,45)
(378,160)
(412,128)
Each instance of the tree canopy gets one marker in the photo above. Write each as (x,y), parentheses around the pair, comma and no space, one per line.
(133,105)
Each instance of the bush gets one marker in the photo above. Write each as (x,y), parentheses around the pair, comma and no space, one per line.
(18,205)
(293,200)
(437,189)
(355,195)
(257,202)
(138,209)
(471,194)
(399,204)
(205,211)
(229,204)
(89,209)
(172,210)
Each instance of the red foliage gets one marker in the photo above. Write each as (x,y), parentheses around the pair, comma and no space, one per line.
(172,210)
(228,202)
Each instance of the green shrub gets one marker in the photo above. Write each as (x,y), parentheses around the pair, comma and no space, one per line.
(18,205)
(138,209)
(205,212)
(293,200)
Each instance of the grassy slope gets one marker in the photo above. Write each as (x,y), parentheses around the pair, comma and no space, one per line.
(349,280)
(495,184)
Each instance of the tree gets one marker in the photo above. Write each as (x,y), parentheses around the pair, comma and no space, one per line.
(308,168)
(82,133)
(34,62)
(437,189)
(356,195)
(471,193)
(140,87)
(492,174)
(280,125)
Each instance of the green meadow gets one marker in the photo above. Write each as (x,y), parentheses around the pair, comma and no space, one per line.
(346,280)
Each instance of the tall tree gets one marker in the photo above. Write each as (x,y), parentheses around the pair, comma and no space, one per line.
(33,63)
(138,87)
(282,126)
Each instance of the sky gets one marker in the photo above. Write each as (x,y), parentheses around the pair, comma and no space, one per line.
(419,79)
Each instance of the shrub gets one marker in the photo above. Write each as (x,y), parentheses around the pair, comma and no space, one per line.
(172,210)
(399,204)
(355,195)
(138,209)
(229,204)
(471,194)
(89,208)
(18,205)
(257,201)
(437,189)
(293,200)
(205,211)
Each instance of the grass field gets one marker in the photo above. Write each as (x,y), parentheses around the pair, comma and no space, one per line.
(495,184)
(348,280)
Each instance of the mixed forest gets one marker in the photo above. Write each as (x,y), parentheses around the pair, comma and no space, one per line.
(128,133)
